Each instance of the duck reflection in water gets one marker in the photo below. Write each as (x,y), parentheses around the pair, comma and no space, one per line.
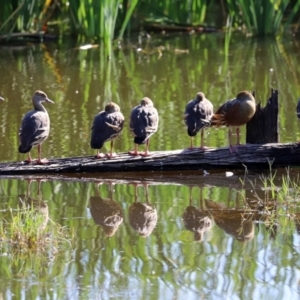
(196,219)
(39,206)
(106,212)
(234,221)
(142,216)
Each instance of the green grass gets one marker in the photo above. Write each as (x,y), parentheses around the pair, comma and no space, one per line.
(262,17)
(29,228)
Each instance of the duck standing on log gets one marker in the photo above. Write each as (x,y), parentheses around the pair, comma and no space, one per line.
(143,123)
(235,113)
(197,115)
(35,127)
(107,126)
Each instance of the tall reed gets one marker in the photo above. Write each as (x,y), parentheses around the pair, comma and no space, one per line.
(262,17)
(107,19)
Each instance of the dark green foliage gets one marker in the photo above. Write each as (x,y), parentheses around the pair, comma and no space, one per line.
(107,19)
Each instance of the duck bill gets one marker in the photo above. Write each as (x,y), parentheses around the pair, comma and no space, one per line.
(2,99)
(48,100)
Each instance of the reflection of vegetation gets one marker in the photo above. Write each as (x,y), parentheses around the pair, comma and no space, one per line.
(137,268)
(27,228)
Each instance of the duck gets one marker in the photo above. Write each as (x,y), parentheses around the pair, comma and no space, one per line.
(106,212)
(142,216)
(143,124)
(198,113)
(35,127)
(107,126)
(235,113)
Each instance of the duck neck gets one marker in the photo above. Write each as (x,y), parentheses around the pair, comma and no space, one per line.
(38,106)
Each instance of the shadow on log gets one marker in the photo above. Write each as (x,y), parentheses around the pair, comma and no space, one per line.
(263,127)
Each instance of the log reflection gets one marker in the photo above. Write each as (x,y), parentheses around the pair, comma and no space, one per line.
(106,212)
(197,219)
(142,216)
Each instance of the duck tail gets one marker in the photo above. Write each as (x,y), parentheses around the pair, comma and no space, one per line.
(191,132)
(24,150)
(217,120)
(140,140)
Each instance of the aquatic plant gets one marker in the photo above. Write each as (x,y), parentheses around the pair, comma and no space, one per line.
(262,17)
(28,228)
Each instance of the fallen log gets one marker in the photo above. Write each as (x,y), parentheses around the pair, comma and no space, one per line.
(249,156)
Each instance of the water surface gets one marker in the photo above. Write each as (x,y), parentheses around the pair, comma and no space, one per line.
(208,237)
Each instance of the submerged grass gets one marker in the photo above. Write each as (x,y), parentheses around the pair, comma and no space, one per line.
(286,193)
(29,229)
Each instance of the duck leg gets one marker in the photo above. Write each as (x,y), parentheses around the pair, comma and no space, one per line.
(99,155)
(135,151)
(146,153)
(238,136)
(111,154)
(232,149)
(29,160)
(190,188)
(191,145)
(202,138)
(40,160)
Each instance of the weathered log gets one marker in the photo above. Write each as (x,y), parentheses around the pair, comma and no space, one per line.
(250,156)
(263,127)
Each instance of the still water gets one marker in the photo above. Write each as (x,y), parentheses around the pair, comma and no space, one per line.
(170,235)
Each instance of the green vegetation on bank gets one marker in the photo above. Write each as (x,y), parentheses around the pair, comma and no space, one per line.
(108,19)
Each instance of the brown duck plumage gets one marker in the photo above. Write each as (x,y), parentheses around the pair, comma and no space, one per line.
(235,113)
